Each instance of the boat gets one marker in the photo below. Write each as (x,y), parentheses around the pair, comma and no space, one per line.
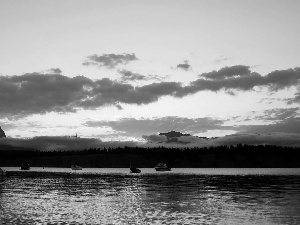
(133,169)
(162,167)
(25,167)
(76,167)
(2,175)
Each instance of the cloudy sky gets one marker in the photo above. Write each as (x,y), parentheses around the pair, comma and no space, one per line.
(123,71)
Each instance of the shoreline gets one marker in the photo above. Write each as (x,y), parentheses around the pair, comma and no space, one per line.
(125,172)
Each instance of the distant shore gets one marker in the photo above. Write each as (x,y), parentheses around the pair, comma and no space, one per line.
(66,173)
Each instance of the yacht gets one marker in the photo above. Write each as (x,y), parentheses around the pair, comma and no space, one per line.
(25,167)
(76,167)
(133,169)
(162,167)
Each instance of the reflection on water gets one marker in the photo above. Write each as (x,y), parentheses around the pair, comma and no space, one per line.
(151,199)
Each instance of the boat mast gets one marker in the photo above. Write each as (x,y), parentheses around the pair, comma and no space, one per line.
(76,142)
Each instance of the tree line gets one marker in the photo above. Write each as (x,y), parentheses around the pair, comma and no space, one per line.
(13,152)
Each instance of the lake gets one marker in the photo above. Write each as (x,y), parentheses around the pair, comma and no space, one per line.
(181,196)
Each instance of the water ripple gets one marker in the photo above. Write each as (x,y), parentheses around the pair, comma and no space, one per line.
(151,199)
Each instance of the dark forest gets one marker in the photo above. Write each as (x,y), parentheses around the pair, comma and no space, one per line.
(243,156)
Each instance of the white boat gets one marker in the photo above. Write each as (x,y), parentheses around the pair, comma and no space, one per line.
(76,167)
(162,167)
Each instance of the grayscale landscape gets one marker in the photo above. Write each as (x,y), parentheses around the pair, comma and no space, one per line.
(149,112)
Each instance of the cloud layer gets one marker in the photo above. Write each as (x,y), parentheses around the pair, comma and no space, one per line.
(281,139)
(69,143)
(40,93)
(242,79)
(48,143)
(279,120)
(283,130)
(136,127)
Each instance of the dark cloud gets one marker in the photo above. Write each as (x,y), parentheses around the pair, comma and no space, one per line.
(185,66)
(270,100)
(37,93)
(130,76)
(290,125)
(40,93)
(55,71)
(280,79)
(227,72)
(284,120)
(240,78)
(155,138)
(108,92)
(280,114)
(280,139)
(109,60)
(295,100)
(136,127)
(230,92)
(177,137)
(119,107)
(49,143)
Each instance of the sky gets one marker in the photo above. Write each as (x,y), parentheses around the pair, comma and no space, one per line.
(120,72)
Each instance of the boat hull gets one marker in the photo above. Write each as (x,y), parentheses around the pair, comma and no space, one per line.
(135,170)
(162,169)
(76,168)
(25,167)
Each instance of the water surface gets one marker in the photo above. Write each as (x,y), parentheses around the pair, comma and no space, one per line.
(182,196)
